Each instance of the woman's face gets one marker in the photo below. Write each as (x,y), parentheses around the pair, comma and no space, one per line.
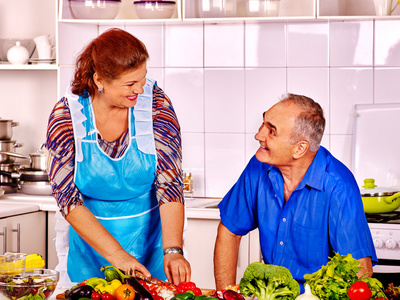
(123,92)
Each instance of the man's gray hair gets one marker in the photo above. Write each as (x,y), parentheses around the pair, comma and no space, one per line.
(309,124)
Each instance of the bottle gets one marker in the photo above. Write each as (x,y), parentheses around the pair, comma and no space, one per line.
(188,183)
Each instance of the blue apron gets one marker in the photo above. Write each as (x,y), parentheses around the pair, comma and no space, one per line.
(120,192)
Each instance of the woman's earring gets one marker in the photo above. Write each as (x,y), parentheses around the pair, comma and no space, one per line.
(100,90)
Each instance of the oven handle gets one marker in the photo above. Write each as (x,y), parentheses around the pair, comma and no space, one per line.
(386,269)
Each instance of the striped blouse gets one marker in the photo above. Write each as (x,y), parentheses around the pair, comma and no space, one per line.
(61,153)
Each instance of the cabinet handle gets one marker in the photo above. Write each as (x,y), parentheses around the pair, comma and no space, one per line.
(18,231)
(4,234)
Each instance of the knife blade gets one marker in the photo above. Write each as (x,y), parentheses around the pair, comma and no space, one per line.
(152,280)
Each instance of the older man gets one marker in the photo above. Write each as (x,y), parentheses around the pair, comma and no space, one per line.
(305,203)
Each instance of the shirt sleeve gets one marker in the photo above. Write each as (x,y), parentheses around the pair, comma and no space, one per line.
(349,231)
(60,158)
(237,208)
(169,183)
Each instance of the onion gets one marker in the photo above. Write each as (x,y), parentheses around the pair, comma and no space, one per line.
(307,294)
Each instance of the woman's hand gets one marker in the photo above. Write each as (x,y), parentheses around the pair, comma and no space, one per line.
(128,263)
(177,268)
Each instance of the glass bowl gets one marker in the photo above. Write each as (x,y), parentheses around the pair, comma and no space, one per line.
(39,283)
(154,9)
(12,262)
(96,9)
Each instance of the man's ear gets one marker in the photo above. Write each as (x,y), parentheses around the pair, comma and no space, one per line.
(301,149)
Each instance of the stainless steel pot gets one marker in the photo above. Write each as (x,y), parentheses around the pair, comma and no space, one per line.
(37,160)
(8,146)
(36,188)
(6,129)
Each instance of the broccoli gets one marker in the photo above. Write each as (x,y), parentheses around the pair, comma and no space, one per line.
(268,282)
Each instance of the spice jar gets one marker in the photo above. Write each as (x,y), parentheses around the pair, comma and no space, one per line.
(188,183)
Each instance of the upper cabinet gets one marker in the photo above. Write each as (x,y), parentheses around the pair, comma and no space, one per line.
(131,11)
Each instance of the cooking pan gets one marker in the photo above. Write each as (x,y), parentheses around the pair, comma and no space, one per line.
(37,159)
(379,200)
(7,146)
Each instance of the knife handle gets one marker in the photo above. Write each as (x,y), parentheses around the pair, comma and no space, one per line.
(140,289)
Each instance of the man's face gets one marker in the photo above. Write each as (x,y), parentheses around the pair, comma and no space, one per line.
(274,133)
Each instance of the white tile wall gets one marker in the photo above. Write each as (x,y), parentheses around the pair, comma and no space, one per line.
(221,77)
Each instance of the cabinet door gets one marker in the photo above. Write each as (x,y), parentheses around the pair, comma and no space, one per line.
(29,230)
(3,236)
(199,243)
(52,259)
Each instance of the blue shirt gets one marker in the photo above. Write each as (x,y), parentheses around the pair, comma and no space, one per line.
(323,214)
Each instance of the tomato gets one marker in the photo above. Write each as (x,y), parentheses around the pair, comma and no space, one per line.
(359,290)
(197,292)
(186,286)
(153,293)
(190,285)
(158,298)
(107,296)
(125,292)
(83,282)
(95,296)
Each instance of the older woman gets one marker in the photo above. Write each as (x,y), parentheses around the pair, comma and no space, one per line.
(115,165)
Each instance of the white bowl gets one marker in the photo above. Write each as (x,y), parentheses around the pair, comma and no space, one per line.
(154,9)
(217,8)
(96,9)
(262,8)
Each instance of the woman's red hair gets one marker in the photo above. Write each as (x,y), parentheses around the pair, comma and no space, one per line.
(109,55)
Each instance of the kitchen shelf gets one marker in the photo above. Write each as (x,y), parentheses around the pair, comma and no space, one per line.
(28,67)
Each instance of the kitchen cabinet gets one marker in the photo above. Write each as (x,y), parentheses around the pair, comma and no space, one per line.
(24,233)
(199,242)
(52,259)
(126,14)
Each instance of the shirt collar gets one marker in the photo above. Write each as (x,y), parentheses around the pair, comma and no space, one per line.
(314,176)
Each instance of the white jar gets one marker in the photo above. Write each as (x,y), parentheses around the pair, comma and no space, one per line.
(18,54)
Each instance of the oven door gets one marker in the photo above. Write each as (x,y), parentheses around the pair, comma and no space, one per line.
(387,271)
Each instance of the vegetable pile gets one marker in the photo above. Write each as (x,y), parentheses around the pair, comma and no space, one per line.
(117,286)
(268,282)
(338,280)
(392,292)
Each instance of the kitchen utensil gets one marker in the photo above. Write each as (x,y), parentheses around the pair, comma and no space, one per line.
(156,9)
(8,146)
(16,286)
(262,8)
(6,44)
(384,7)
(18,55)
(37,159)
(379,200)
(6,129)
(36,188)
(217,8)
(100,9)
(45,39)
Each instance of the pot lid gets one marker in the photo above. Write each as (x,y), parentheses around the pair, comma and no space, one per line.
(370,189)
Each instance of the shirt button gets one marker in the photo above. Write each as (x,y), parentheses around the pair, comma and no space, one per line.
(281,243)
(284,219)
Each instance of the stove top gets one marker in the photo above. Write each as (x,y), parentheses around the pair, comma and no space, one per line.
(389,218)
